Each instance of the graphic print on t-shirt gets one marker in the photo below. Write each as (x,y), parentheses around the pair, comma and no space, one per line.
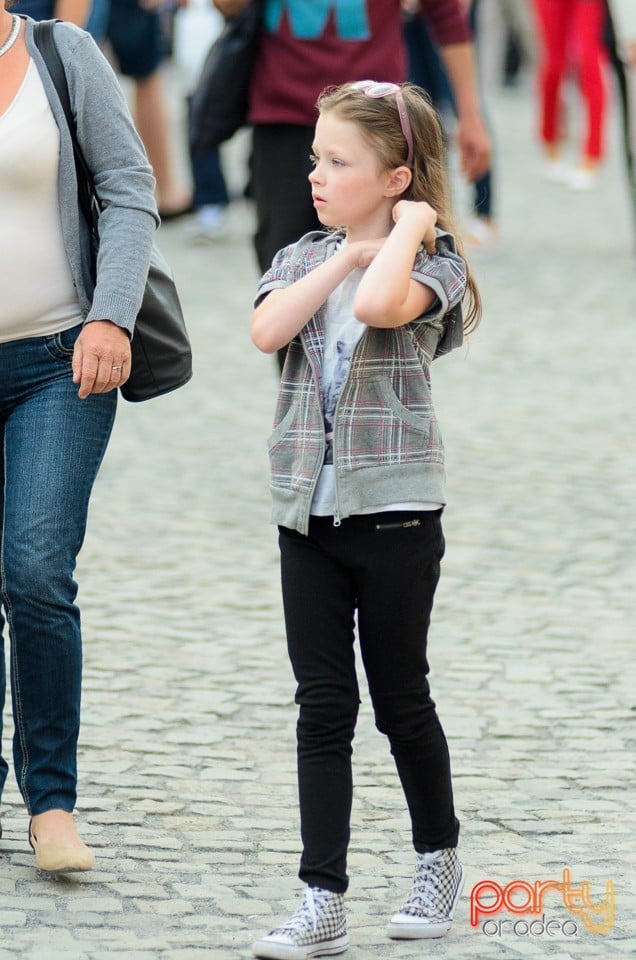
(307,21)
(342,332)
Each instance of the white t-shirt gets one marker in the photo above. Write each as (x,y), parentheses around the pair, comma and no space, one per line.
(38,296)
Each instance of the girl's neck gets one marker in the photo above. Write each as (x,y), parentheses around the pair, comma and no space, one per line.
(375,230)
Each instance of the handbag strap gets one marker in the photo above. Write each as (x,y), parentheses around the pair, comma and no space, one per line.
(45,42)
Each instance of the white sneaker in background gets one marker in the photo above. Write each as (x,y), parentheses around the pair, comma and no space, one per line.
(480,234)
(583,178)
(557,171)
(209,222)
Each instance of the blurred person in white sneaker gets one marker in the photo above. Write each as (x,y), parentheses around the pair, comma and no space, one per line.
(571,35)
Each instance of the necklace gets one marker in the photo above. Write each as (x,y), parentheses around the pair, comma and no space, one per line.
(13,35)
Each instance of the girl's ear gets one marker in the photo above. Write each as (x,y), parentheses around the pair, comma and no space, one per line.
(398,180)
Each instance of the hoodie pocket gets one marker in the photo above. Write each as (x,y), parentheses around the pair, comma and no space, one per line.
(287,453)
(420,421)
(278,433)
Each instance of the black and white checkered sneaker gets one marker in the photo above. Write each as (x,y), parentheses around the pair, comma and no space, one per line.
(317,929)
(428,910)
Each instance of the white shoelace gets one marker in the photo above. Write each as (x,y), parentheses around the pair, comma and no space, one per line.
(307,910)
(426,883)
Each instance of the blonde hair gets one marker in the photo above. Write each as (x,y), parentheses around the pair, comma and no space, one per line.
(379,123)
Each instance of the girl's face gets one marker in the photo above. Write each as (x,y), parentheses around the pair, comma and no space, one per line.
(347,186)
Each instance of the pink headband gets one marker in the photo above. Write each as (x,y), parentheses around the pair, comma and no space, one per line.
(376,91)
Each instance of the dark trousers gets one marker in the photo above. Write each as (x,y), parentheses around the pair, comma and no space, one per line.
(280,167)
(210,188)
(386,567)
(280,171)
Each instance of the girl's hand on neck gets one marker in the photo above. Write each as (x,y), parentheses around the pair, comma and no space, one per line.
(422,215)
(363,252)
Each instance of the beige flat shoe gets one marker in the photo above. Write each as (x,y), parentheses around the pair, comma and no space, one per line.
(55,858)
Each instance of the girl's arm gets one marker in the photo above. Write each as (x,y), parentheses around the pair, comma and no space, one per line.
(387,295)
(284,313)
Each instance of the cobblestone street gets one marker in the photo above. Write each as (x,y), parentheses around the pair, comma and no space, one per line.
(187,787)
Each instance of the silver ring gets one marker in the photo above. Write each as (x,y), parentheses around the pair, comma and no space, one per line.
(116,368)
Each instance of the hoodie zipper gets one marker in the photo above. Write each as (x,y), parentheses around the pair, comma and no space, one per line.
(336,514)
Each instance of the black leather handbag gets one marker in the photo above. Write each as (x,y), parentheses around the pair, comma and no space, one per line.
(161,353)
(219,104)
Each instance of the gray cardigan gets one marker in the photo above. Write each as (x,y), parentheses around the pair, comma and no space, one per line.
(122,175)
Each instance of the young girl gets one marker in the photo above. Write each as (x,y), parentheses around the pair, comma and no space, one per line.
(358,487)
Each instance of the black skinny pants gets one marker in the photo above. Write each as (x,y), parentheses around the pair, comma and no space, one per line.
(386,566)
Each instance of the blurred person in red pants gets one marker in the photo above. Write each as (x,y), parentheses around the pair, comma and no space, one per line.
(571,33)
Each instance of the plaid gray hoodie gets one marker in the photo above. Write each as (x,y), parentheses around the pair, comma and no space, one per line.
(387,443)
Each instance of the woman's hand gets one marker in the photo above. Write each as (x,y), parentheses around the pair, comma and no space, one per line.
(101,359)
(422,213)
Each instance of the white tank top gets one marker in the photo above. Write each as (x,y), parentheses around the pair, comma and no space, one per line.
(38,296)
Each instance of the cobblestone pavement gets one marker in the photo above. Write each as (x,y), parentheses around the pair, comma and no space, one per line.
(187,754)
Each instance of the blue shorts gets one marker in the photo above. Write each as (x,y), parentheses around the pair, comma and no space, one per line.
(38,9)
(135,36)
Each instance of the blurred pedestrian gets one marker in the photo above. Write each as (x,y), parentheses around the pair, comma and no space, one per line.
(64,349)
(97,22)
(90,14)
(358,487)
(622,46)
(571,33)
(426,68)
(623,14)
(210,200)
(506,38)
(74,11)
(135,36)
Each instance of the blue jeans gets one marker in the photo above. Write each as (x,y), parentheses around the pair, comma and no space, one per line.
(52,446)
(209,183)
